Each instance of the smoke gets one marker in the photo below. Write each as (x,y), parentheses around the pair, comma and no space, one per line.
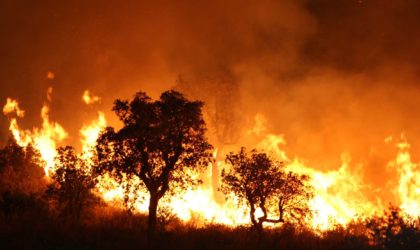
(332,76)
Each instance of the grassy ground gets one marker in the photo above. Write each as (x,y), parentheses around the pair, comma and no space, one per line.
(123,231)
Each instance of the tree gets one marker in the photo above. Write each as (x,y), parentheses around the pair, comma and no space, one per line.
(74,181)
(21,178)
(258,181)
(20,168)
(160,142)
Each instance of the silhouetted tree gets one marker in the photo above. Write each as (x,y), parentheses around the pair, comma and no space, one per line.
(21,178)
(74,181)
(160,142)
(393,231)
(20,168)
(260,183)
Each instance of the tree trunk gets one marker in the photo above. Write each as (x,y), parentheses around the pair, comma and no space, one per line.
(153,204)
(252,215)
(257,225)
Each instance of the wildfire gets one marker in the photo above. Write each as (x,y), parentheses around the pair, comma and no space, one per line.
(199,206)
(90,133)
(338,194)
(408,189)
(44,139)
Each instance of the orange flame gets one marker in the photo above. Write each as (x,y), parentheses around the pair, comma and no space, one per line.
(13,106)
(408,188)
(90,134)
(88,98)
(45,139)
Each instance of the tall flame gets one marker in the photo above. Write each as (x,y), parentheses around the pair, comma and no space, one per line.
(409,179)
(44,139)
(90,133)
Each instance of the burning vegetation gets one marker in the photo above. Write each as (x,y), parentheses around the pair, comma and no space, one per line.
(160,163)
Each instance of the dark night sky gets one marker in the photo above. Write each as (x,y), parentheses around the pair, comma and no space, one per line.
(338,74)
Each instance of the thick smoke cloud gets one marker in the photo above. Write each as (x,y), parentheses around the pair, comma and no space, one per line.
(332,76)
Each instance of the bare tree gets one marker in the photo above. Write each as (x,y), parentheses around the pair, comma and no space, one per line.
(258,181)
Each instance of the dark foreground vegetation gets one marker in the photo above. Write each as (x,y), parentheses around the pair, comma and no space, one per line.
(35,229)
(160,143)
